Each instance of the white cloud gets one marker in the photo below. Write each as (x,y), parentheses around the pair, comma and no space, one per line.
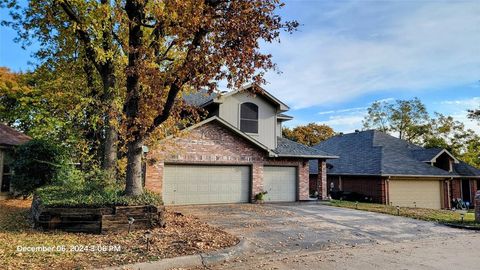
(343,110)
(413,47)
(344,123)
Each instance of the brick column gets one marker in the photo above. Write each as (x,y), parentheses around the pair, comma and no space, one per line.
(322,179)
(154,177)
(257,179)
(473,187)
(303,181)
(447,198)
(477,206)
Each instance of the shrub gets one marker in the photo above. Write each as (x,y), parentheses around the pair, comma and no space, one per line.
(36,163)
(59,196)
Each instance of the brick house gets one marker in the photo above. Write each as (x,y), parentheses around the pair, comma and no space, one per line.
(234,154)
(9,138)
(396,172)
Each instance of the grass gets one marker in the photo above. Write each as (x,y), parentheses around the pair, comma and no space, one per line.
(184,235)
(440,216)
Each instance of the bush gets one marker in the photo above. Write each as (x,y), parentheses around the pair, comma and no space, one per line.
(60,196)
(36,163)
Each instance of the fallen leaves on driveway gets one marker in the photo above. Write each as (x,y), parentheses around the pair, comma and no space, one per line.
(184,235)
(261,209)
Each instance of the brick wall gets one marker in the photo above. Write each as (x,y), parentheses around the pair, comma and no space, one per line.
(477,206)
(214,144)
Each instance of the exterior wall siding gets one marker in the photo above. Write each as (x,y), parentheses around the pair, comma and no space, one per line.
(216,145)
(267,123)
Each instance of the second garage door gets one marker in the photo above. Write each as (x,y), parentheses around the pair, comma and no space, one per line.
(195,184)
(280,183)
(407,193)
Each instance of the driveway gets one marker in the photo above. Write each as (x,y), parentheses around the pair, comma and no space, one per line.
(309,227)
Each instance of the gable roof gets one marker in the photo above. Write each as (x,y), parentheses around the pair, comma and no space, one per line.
(288,148)
(203,97)
(12,137)
(373,152)
(285,147)
(233,129)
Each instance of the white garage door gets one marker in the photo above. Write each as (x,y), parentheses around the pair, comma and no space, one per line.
(407,193)
(194,184)
(280,183)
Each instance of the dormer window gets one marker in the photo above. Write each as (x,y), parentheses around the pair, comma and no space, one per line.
(249,117)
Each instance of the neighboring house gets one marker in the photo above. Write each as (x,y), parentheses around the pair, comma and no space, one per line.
(396,172)
(234,154)
(9,138)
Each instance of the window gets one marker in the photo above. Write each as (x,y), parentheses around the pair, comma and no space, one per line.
(249,118)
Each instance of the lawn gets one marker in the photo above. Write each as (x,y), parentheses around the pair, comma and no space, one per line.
(440,216)
(184,235)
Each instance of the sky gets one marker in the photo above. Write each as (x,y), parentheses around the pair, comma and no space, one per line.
(348,54)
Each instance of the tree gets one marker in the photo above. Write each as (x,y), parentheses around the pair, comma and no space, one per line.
(447,133)
(77,33)
(408,118)
(474,114)
(378,116)
(310,134)
(166,47)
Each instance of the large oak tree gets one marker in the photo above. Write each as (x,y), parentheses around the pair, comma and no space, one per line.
(161,49)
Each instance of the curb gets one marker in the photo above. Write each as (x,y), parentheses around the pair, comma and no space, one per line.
(202,259)
(460,226)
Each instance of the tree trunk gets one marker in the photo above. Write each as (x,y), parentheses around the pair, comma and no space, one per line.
(110,148)
(135,12)
(111,135)
(134,185)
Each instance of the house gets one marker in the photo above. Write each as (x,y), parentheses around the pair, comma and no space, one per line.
(396,172)
(9,138)
(234,154)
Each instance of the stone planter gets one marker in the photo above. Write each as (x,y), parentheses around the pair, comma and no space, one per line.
(96,220)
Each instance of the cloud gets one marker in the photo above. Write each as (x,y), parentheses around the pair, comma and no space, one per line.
(344,123)
(470,103)
(369,47)
(343,110)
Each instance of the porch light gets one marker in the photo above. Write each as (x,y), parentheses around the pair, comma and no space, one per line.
(131,220)
(148,236)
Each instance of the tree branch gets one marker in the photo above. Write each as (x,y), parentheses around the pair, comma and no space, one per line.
(82,34)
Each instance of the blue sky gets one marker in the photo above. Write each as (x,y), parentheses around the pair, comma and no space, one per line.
(348,54)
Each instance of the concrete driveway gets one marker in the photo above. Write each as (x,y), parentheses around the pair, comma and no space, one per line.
(284,228)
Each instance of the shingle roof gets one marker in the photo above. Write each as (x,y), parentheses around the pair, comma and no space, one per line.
(376,153)
(288,148)
(463,168)
(10,136)
(199,98)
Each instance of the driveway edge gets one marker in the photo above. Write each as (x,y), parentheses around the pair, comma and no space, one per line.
(202,259)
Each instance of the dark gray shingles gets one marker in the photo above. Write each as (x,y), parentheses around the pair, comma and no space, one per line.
(286,147)
(375,153)
(464,169)
(199,98)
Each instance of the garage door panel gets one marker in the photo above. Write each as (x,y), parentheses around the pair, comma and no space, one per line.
(280,183)
(422,193)
(199,184)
